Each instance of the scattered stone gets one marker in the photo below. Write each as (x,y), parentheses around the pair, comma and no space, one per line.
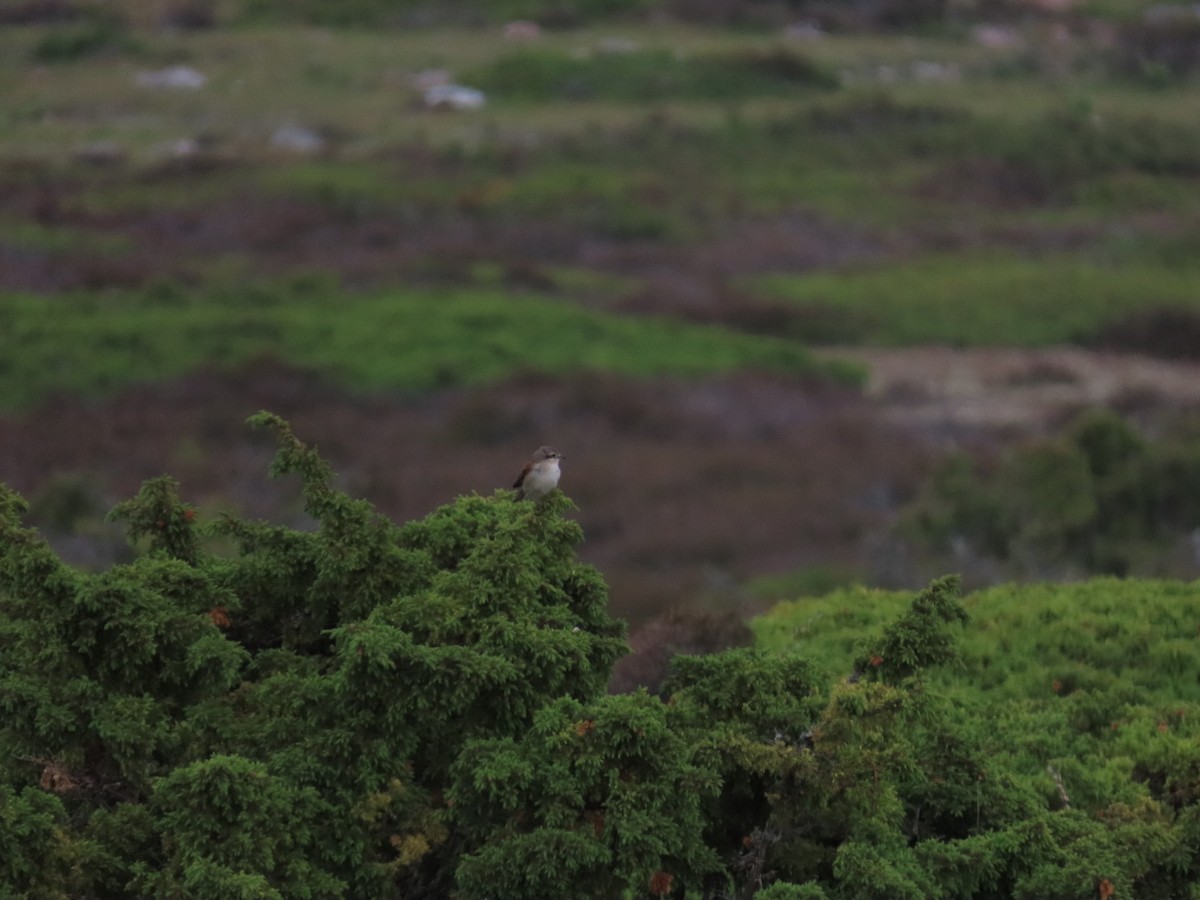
(804,31)
(522,30)
(935,71)
(427,79)
(172,78)
(997,37)
(1052,7)
(454,96)
(1171,13)
(616,45)
(180,148)
(297,139)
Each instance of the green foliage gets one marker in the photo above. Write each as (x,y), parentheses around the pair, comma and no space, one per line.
(1073,145)
(71,43)
(1122,635)
(596,800)
(763,696)
(814,783)
(1091,679)
(987,300)
(264,847)
(643,76)
(1100,497)
(157,514)
(781,890)
(35,858)
(917,639)
(280,722)
(1026,768)
(389,340)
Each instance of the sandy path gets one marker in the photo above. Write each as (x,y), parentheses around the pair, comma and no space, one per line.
(1016,388)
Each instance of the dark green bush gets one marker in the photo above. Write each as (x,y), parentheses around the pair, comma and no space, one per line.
(1099,498)
(643,76)
(605,795)
(1063,149)
(281,722)
(78,40)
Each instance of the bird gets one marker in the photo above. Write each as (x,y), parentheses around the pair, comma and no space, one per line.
(540,475)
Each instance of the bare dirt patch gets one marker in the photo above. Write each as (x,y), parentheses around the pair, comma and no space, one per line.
(1018,391)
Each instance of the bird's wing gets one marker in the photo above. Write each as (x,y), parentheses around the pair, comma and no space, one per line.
(521,478)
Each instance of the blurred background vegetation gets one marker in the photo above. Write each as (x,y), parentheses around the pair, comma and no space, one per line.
(810,292)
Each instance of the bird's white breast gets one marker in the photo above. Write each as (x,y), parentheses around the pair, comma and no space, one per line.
(542,478)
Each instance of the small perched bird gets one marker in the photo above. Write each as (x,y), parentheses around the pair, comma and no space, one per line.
(540,475)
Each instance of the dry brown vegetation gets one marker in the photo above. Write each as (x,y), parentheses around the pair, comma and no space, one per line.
(683,489)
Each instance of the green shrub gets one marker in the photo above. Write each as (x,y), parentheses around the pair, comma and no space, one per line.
(596,800)
(1065,147)
(783,891)
(644,76)
(36,858)
(1100,498)
(73,42)
(1091,678)
(276,723)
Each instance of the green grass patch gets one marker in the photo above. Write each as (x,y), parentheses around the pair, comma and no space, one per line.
(407,340)
(640,76)
(357,186)
(812,581)
(99,196)
(77,41)
(29,235)
(988,299)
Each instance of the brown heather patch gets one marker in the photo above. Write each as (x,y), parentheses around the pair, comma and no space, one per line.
(677,631)
(683,489)
(217,211)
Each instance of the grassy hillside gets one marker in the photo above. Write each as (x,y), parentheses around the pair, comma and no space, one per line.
(851,187)
(1098,680)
